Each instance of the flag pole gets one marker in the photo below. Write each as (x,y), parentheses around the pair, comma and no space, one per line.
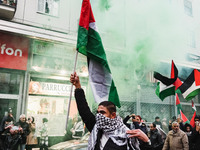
(70,97)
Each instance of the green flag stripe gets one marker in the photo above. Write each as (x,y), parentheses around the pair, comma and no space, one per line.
(113,95)
(92,46)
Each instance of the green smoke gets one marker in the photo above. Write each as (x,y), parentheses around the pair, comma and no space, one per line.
(104,5)
(138,34)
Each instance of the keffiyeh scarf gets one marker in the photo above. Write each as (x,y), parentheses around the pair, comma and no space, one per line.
(115,129)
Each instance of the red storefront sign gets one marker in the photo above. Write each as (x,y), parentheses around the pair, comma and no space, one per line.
(13,51)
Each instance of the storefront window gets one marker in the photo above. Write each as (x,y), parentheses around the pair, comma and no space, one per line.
(52,108)
(8,105)
(49,99)
(50,7)
(9,83)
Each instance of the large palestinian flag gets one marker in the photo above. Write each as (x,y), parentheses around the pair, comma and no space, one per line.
(191,86)
(89,44)
(165,86)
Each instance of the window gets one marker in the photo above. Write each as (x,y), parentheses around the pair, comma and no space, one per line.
(49,7)
(188,7)
(9,2)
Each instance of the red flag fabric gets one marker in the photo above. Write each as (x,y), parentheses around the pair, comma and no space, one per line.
(192,122)
(178,82)
(184,118)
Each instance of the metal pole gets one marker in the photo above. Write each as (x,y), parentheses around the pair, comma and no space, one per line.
(70,97)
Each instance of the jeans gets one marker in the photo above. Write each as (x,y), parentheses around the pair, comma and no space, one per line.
(22,146)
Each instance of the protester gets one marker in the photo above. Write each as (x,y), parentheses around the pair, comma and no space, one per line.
(176,139)
(107,129)
(31,141)
(44,135)
(155,138)
(25,130)
(195,139)
(170,122)
(78,128)
(134,124)
(11,118)
(157,122)
(142,125)
(12,136)
(164,125)
(188,131)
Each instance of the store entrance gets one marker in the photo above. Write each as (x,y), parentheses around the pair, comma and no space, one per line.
(11,84)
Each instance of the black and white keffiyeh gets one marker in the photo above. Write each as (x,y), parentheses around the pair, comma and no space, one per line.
(115,129)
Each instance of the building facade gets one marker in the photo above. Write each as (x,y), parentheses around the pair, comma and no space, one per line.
(37,52)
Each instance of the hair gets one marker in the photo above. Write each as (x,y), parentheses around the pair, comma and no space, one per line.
(197,117)
(22,115)
(139,117)
(154,125)
(174,117)
(8,119)
(109,105)
(157,117)
(45,120)
(175,123)
(33,119)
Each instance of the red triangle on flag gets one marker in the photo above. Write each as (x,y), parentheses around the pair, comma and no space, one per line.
(172,70)
(86,14)
(178,82)
(192,122)
(183,117)
(177,100)
(197,77)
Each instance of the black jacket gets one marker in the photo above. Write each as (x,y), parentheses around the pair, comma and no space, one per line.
(156,140)
(26,131)
(137,126)
(89,119)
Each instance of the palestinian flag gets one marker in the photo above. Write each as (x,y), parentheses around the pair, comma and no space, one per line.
(193,107)
(89,44)
(178,82)
(191,87)
(165,86)
(178,104)
(192,122)
(184,118)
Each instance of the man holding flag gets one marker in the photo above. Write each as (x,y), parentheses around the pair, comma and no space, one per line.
(107,129)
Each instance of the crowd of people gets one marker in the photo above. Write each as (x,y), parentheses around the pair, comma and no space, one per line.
(109,132)
(22,134)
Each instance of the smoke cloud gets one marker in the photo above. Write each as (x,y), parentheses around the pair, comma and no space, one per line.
(137,34)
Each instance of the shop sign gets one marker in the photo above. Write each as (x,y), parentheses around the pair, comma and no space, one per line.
(13,51)
(46,88)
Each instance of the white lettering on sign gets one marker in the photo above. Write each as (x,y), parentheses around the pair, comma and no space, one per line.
(10,51)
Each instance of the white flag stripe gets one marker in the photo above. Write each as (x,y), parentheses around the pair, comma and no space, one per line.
(100,81)
(191,89)
(164,87)
(93,26)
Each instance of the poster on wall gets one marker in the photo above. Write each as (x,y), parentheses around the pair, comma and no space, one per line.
(54,109)
(48,88)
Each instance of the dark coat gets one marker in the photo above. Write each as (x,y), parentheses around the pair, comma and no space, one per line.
(26,131)
(156,140)
(89,119)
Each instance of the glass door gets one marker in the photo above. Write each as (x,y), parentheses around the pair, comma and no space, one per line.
(10,93)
